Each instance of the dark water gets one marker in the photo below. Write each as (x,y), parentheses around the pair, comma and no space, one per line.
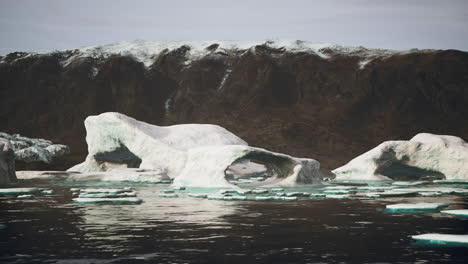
(51,229)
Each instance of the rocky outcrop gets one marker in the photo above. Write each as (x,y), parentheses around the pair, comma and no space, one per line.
(34,151)
(425,156)
(7,162)
(323,101)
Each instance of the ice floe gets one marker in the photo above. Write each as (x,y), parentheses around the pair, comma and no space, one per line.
(412,207)
(458,212)
(442,238)
(25,196)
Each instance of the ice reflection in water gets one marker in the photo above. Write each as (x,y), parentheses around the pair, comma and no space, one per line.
(188,230)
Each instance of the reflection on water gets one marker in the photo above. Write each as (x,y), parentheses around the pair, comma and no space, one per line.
(52,229)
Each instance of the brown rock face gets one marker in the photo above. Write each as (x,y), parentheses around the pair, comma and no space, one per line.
(330,109)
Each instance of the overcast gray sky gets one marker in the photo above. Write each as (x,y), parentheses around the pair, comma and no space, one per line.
(396,24)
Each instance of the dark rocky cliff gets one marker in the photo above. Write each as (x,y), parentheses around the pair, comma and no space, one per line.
(331,105)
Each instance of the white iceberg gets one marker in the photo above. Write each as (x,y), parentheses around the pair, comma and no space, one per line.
(194,155)
(442,238)
(458,212)
(415,206)
(126,200)
(115,141)
(424,155)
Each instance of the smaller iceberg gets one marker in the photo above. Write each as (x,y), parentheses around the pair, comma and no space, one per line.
(414,207)
(460,212)
(443,239)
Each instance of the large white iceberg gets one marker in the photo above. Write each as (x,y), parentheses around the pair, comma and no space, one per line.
(424,155)
(194,155)
(115,141)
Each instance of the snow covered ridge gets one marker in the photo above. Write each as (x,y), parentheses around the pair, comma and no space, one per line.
(194,155)
(425,156)
(147,51)
(35,149)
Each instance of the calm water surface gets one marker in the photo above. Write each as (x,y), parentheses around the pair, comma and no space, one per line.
(52,229)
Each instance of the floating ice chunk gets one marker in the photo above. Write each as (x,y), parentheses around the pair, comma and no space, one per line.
(452,181)
(445,190)
(168,195)
(411,207)
(25,196)
(74,189)
(167,191)
(197,195)
(442,238)
(126,200)
(373,195)
(107,195)
(459,212)
(239,198)
(340,188)
(215,197)
(290,194)
(337,196)
(226,191)
(47,191)
(277,189)
(283,198)
(429,193)
(317,195)
(244,191)
(19,190)
(105,190)
(336,192)
(404,183)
